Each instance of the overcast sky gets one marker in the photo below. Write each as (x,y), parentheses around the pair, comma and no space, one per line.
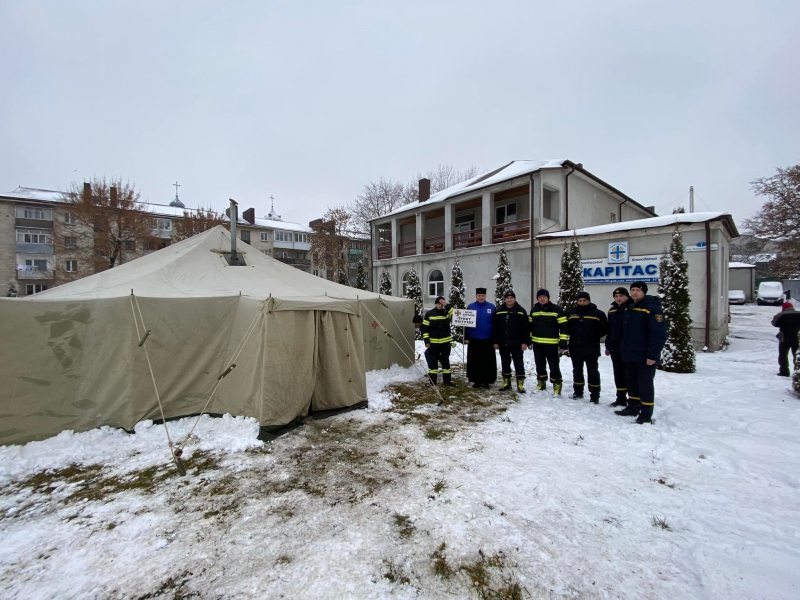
(309,101)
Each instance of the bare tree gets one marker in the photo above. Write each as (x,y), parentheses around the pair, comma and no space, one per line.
(778,220)
(748,249)
(376,199)
(104,221)
(196,221)
(330,242)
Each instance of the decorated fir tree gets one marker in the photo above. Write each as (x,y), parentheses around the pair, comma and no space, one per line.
(502,279)
(341,278)
(414,292)
(678,354)
(386,284)
(361,276)
(796,374)
(456,297)
(570,282)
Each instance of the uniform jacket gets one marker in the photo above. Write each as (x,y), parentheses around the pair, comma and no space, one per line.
(548,325)
(510,326)
(586,325)
(616,319)
(644,331)
(483,325)
(789,323)
(436,326)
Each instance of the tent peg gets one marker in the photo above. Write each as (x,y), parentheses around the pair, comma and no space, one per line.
(144,339)
(226,371)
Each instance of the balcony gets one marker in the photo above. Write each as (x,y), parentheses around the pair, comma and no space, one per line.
(468,239)
(510,232)
(433,245)
(384,252)
(27,275)
(407,248)
(297,262)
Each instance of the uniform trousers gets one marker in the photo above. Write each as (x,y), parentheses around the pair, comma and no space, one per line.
(509,353)
(438,353)
(783,356)
(592,372)
(641,391)
(619,376)
(544,355)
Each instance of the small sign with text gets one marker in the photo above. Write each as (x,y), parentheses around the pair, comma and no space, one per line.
(464,318)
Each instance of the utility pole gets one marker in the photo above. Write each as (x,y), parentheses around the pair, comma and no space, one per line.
(691,198)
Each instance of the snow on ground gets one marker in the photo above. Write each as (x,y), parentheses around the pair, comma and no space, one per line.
(554,495)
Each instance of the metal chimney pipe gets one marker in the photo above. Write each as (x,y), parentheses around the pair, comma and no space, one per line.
(234,217)
(691,198)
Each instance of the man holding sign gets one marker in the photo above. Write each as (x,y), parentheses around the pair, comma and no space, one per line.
(481,360)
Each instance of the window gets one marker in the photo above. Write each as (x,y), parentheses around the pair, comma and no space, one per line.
(283,236)
(36,264)
(264,236)
(29,212)
(613,217)
(164,224)
(245,235)
(550,204)
(68,220)
(405,278)
(71,266)
(506,213)
(465,222)
(301,237)
(300,255)
(129,245)
(32,288)
(317,272)
(34,236)
(435,284)
(283,254)
(70,242)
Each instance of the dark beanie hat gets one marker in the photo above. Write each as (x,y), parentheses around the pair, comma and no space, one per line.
(623,291)
(510,294)
(641,285)
(437,299)
(583,295)
(480,290)
(542,292)
(416,319)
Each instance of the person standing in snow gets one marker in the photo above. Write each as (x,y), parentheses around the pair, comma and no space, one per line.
(643,337)
(481,360)
(549,340)
(622,299)
(510,336)
(788,320)
(586,325)
(438,339)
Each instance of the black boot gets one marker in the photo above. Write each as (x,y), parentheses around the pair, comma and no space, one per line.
(594,398)
(506,384)
(477,386)
(433,377)
(541,385)
(446,380)
(577,396)
(633,409)
(645,416)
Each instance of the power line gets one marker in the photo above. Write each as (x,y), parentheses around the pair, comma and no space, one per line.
(681,197)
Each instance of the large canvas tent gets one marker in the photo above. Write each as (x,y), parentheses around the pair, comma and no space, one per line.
(70,357)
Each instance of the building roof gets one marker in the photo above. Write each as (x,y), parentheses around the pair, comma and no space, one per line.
(675,219)
(740,265)
(512,170)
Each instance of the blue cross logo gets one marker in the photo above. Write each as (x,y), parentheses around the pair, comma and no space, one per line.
(618,252)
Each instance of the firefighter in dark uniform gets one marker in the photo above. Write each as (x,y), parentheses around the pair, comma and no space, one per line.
(586,325)
(643,337)
(613,341)
(510,336)
(549,339)
(788,320)
(438,339)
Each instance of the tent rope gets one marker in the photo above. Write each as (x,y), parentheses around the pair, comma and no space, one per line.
(386,306)
(413,361)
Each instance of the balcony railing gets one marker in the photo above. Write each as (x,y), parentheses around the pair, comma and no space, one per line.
(509,232)
(305,262)
(433,244)
(407,248)
(468,239)
(25,274)
(384,252)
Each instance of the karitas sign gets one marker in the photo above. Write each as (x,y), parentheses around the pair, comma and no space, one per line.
(639,268)
(465,318)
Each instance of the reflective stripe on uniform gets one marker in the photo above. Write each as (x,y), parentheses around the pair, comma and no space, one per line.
(646,403)
(441,340)
(562,319)
(595,318)
(644,310)
(538,340)
(544,314)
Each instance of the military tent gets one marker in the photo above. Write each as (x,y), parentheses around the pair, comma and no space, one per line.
(71,358)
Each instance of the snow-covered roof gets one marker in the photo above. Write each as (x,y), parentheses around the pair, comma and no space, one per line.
(675,219)
(26,193)
(740,265)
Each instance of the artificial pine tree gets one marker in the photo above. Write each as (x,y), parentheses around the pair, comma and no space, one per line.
(341,278)
(678,354)
(361,277)
(456,297)
(503,279)
(570,282)
(414,292)
(385,288)
(796,374)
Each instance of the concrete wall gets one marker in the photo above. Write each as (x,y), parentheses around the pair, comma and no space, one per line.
(656,241)
(8,255)
(743,279)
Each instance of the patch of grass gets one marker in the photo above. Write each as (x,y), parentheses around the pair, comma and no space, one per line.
(483,572)
(489,506)
(661,522)
(283,560)
(441,568)
(173,588)
(394,574)
(663,481)
(404,524)
(439,486)
(432,433)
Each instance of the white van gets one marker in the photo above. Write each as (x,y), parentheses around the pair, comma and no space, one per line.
(770,292)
